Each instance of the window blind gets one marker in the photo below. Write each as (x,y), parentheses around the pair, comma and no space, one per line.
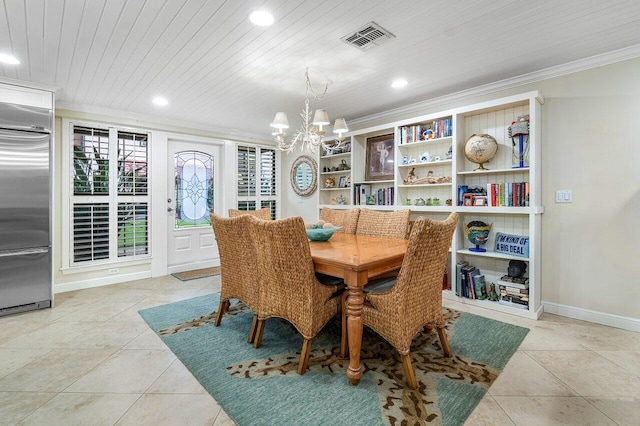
(257,166)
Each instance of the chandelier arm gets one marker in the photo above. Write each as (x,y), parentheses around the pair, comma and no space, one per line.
(309,135)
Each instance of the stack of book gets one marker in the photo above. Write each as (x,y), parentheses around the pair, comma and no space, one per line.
(514,292)
(470,282)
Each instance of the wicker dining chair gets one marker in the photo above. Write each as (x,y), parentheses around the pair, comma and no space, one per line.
(415,301)
(346,219)
(384,224)
(288,286)
(260,213)
(378,224)
(238,270)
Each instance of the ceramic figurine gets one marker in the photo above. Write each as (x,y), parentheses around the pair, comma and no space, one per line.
(405,159)
(450,153)
(493,296)
(426,157)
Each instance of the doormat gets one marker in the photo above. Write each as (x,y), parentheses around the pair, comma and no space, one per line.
(197,273)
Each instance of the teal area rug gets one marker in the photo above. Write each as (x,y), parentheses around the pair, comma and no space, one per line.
(261,386)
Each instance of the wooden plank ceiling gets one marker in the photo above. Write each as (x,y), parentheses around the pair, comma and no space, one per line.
(221,72)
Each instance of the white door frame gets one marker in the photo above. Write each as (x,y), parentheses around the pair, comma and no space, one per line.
(192,248)
(159,152)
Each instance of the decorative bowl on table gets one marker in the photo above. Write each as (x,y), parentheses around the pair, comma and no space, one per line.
(321,234)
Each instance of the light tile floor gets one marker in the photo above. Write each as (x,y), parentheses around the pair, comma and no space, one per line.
(92,360)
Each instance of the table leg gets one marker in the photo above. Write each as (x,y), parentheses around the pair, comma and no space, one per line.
(355,281)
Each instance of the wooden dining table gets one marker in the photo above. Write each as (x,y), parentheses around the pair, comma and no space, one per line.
(356,259)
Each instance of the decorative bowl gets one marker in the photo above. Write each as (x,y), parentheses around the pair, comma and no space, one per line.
(321,234)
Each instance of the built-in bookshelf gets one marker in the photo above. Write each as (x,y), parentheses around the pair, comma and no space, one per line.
(334,181)
(431,175)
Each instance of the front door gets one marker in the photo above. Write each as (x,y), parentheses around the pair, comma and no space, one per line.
(193,193)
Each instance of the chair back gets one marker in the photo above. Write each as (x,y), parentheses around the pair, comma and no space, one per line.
(346,219)
(419,283)
(238,269)
(288,286)
(260,213)
(384,224)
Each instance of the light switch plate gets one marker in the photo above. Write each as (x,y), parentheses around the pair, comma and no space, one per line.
(564,196)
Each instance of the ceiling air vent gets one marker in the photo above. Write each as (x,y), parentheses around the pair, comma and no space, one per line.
(368,37)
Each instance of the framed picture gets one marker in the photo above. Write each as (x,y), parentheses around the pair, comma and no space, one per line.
(467,200)
(379,163)
(479,200)
(342,183)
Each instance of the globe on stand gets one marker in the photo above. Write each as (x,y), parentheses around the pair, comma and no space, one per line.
(477,232)
(480,149)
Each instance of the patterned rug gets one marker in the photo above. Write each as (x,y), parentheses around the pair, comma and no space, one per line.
(261,386)
(197,273)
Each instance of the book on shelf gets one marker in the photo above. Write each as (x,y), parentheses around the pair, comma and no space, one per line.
(508,194)
(471,275)
(508,281)
(384,196)
(466,278)
(365,191)
(458,277)
(445,279)
(480,287)
(516,298)
(514,290)
(513,305)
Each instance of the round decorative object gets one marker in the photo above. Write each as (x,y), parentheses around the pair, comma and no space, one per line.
(480,149)
(304,176)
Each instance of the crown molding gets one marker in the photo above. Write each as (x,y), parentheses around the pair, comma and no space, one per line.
(596,61)
(29,84)
(165,123)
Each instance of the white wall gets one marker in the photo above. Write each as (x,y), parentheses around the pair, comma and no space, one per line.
(66,279)
(292,203)
(590,144)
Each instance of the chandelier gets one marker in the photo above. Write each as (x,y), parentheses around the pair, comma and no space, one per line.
(311,135)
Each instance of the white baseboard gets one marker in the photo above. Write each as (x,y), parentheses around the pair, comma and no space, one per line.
(98,282)
(625,323)
(193,265)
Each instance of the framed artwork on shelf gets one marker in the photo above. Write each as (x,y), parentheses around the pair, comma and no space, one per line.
(342,182)
(479,200)
(379,163)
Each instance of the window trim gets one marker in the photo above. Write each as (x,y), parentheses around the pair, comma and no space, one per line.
(67,199)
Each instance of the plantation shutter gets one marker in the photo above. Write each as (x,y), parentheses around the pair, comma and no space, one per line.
(107,224)
(90,232)
(257,166)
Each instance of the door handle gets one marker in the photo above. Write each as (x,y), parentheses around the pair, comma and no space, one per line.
(169,209)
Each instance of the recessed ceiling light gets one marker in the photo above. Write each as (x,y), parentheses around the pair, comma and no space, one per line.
(8,59)
(261,18)
(399,83)
(159,100)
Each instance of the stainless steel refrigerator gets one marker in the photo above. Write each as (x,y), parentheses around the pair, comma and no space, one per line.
(25,208)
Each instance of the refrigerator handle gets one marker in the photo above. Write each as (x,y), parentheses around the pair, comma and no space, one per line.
(25,251)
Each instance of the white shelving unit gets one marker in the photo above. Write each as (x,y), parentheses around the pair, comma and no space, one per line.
(326,170)
(493,118)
